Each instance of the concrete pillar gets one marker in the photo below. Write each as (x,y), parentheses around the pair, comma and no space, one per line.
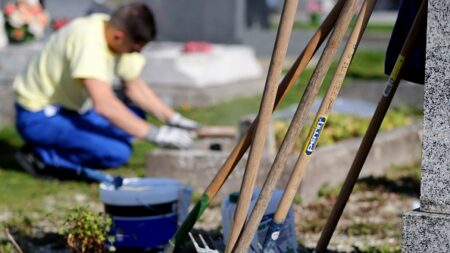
(428,229)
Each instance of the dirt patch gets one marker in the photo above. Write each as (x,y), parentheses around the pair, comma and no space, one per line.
(371,221)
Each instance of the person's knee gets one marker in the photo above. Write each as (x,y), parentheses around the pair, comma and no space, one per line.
(117,155)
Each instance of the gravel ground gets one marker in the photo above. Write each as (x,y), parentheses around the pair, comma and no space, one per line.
(371,221)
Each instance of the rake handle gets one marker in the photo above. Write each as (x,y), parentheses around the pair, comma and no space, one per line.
(293,131)
(369,137)
(264,118)
(241,147)
(325,108)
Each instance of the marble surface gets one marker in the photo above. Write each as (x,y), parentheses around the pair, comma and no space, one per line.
(425,232)
(435,188)
(428,229)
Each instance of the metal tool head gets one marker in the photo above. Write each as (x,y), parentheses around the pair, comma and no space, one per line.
(202,249)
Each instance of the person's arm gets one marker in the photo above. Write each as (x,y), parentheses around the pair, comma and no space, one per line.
(144,97)
(109,106)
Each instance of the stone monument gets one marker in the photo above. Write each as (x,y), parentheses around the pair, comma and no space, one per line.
(428,229)
(219,72)
(215,21)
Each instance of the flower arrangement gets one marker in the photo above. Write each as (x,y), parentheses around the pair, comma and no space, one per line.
(25,20)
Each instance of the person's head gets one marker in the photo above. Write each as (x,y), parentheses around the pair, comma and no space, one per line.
(130,28)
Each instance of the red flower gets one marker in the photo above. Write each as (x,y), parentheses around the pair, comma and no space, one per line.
(196,46)
(59,23)
(9,9)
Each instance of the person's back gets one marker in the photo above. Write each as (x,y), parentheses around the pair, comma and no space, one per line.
(55,75)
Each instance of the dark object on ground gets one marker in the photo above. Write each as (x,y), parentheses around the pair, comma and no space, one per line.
(29,162)
(415,65)
(35,167)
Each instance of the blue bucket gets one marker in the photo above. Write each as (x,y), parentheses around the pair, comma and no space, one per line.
(145,211)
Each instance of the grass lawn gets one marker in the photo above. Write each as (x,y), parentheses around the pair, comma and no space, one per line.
(365,65)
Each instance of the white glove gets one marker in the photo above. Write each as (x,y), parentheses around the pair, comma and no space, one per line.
(179,121)
(170,136)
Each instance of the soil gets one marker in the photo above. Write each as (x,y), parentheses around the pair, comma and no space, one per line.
(371,221)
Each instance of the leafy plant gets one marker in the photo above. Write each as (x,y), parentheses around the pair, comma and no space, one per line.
(342,126)
(87,231)
(7,247)
(381,249)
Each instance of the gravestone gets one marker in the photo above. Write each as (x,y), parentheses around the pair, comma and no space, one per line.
(428,229)
(215,21)
(184,78)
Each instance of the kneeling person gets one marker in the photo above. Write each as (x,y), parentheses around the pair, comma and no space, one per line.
(67,112)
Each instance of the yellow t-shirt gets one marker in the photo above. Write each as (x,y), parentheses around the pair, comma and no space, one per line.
(78,51)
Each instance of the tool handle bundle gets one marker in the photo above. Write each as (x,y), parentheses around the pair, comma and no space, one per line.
(336,23)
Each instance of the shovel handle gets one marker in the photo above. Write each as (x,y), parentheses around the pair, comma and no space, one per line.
(241,147)
(371,133)
(101,177)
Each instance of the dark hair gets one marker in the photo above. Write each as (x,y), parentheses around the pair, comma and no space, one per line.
(136,20)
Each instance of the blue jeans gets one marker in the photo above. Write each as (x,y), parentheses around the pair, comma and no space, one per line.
(66,139)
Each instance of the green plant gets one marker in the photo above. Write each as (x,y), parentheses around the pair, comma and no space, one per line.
(378,249)
(87,231)
(327,191)
(7,247)
(367,228)
(342,126)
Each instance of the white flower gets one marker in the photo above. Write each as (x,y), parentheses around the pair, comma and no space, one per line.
(16,20)
(33,2)
(36,29)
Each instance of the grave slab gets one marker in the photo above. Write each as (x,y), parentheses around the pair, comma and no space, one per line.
(400,147)
(425,232)
(202,78)
(428,229)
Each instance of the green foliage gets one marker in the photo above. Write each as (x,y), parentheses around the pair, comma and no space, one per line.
(7,247)
(379,27)
(226,113)
(342,126)
(87,231)
(367,65)
(379,249)
(367,228)
(329,192)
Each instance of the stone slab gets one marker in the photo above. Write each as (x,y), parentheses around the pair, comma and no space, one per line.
(425,232)
(168,64)
(328,165)
(435,190)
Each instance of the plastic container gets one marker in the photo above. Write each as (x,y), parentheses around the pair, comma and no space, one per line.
(286,243)
(145,211)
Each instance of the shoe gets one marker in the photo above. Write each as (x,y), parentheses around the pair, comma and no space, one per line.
(29,162)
